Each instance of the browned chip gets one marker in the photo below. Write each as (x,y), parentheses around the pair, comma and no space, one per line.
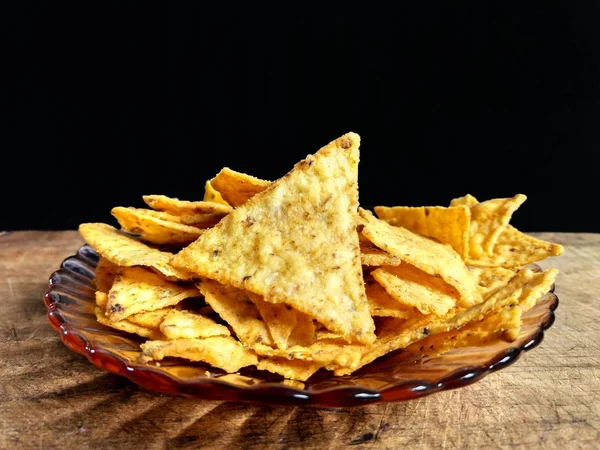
(137,289)
(235,187)
(296,243)
(223,352)
(185,207)
(425,254)
(446,225)
(122,325)
(124,250)
(154,229)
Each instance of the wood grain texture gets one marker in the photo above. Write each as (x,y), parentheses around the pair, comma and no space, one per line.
(51,397)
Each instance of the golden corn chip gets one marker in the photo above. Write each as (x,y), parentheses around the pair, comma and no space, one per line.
(235,307)
(524,289)
(325,352)
(446,225)
(303,333)
(185,207)
(127,251)
(296,242)
(280,319)
(432,257)
(414,288)
(488,220)
(189,325)
(122,325)
(515,248)
(235,187)
(196,220)
(137,289)
(504,325)
(105,274)
(223,352)
(467,200)
(392,334)
(153,229)
(212,195)
(490,279)
(294,369)
(371,255)
(382,304)
(150,319)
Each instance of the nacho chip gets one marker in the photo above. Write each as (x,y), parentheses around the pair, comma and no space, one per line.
(137,289)
(212,195)
(189,325)
(325,352)
(425,254)
(296,243)
(295,369)
(124,250)
(382,304)
(123,325)
(373,256)
(504,325)
(185,207)
(235,307)
(524,289)
(153,229)
(105,274)
(223,352)
(280,319)
(237,188)
(414,288)
(467,200)
(303,333)
(490,279)
(515,248)
(488,220)
(150,319)
(446,225)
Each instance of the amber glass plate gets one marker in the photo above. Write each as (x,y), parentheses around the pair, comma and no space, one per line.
(394,377)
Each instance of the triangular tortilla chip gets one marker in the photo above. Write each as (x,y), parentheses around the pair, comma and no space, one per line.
(138,289)
(237,188)
(175,206)
(467,200)
(446,225)
(153,229)
(488,221)
(432,257)
(123,250)
(296,243)
(279,317)
(515,248)
(212,195)
(235,307)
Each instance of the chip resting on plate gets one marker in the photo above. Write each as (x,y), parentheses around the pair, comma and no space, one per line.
(296,243)
(294,277)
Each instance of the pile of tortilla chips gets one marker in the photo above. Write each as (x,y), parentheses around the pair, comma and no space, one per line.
(293,276)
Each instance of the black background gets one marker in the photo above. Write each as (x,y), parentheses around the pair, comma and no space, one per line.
(492,99)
